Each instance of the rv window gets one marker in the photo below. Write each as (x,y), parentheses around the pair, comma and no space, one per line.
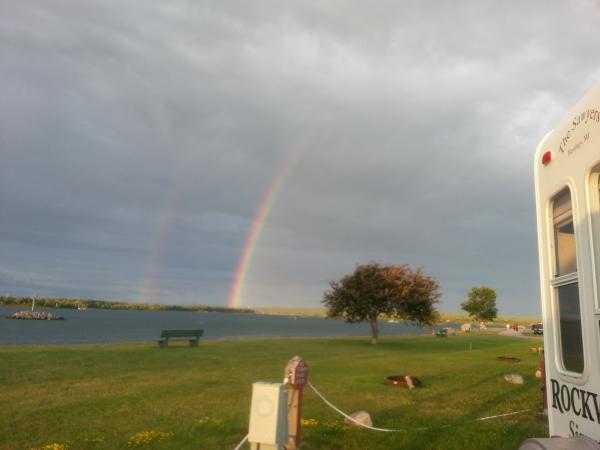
(570,327)
(595,215)
(564,234)
(566,289)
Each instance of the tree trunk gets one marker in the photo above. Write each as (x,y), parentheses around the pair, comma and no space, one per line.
(374,331)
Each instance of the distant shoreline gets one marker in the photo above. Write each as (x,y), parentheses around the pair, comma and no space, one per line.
(75,303)
(79,303)
(444,316)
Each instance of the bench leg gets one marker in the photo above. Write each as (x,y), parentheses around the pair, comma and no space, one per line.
(193,342)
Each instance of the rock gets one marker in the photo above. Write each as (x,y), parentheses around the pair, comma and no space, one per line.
(361,417)
(536,350)
(465,327)
(35,315)
(538,374)
(514,378)
(403,381)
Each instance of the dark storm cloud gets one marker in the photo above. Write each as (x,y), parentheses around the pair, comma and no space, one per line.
(137,141)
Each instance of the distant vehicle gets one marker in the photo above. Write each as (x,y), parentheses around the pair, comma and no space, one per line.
(567,191)
(442,332)
(537,328)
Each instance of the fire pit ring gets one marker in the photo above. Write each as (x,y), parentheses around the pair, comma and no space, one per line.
(404,381)
(510,359)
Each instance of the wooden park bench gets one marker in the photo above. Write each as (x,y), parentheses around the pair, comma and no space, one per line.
(193,336)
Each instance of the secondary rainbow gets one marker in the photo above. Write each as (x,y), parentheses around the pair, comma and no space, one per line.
(258,224)
(150,289)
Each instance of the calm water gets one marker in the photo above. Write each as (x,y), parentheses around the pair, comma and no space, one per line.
(104,326)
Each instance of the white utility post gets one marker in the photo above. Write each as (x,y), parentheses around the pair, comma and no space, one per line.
(268,416)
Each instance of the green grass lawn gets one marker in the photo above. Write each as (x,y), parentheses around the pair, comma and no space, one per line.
(120,396)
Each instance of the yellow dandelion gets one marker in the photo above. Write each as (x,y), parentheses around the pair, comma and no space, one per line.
(210,421)
(309,422)
(147,437)
(52,446)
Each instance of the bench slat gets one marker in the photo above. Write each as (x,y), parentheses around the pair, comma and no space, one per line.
(181,333)
(193,336)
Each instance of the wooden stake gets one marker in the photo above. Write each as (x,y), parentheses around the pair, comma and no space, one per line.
(296,377)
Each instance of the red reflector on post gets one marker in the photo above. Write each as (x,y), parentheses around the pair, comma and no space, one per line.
(546,158)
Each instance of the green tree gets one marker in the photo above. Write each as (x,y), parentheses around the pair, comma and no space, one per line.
(481,304)
(374,289)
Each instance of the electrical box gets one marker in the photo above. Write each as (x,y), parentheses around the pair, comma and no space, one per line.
(268,416)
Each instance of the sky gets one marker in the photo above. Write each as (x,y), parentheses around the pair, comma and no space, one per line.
(248,153)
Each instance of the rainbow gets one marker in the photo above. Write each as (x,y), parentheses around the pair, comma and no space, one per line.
(149,291)
(258,223)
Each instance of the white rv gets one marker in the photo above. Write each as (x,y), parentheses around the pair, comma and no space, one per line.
(567,186)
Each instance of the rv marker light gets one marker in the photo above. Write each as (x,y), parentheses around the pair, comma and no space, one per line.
(546,158)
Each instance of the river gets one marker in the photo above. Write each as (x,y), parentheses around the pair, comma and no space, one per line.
(97,326)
